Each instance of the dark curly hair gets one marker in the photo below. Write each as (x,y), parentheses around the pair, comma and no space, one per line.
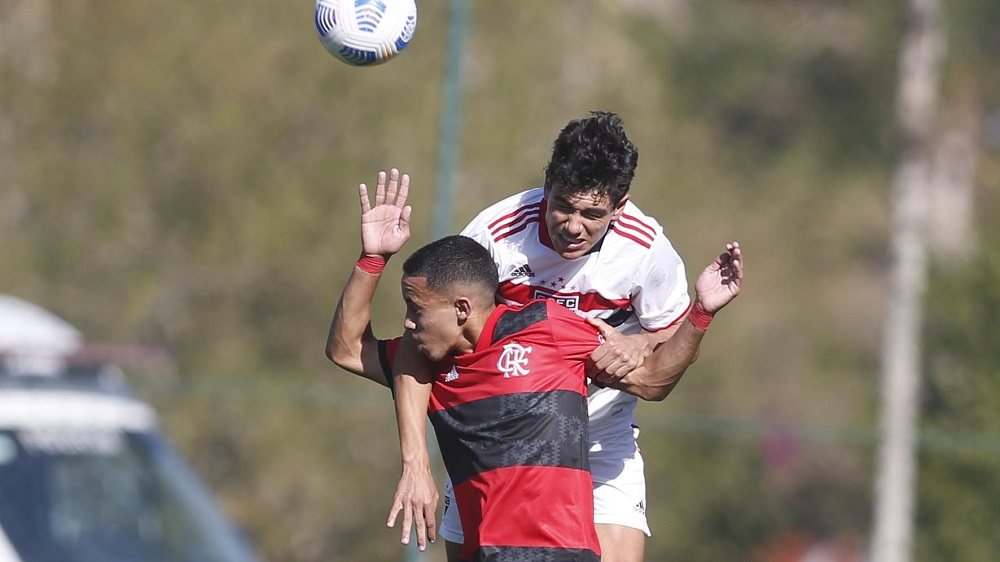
(593,153)
(452,261)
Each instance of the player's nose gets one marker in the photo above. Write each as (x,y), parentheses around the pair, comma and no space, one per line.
(574,225)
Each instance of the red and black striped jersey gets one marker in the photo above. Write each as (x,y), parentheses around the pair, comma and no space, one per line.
(511,421)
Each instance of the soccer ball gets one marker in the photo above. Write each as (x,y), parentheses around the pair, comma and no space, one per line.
(365,32)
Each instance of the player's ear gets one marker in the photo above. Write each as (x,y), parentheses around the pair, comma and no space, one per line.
(619,208)
(463,308)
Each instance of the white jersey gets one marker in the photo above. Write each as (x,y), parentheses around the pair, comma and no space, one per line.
(633,280)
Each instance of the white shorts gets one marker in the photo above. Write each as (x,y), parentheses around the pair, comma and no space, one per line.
(619,497)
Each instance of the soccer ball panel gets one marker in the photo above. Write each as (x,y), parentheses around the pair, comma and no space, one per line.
(365,32)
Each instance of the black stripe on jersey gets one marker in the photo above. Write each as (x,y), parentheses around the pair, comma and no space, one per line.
(383,358)
(522,429)
(618,317)
(533,554)
(514,321)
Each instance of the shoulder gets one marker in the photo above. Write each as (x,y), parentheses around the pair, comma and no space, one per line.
(636,227)
(533,313)
(546,320)
(507,215)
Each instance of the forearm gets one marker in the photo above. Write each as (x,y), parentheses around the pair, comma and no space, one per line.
(664,367)
(412,382)
(411,416)
(350,330)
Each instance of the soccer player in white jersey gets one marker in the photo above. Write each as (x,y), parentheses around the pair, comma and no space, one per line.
(581,241)
(352,346)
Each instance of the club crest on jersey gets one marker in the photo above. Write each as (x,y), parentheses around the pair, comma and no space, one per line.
(571,302)
(514,360)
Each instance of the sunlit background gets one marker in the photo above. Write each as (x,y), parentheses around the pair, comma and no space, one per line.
(182,176)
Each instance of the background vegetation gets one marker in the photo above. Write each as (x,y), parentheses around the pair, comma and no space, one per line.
(183,174)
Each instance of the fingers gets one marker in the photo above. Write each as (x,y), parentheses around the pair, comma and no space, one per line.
(407,523)
(735,252)
(380,189)
(393,513)
(421,526)
(736,259)
(392,187)
(404,190)
(363,193)
(603,327)
(404,219)
(431,524)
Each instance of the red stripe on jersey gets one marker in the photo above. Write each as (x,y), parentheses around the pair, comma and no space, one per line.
(479,381)
(635,223)
(543,233)
(497,512)
(642,242)
(511,232)
(524,215)
(676,321)
(518,293)
(587,302)
(560,344)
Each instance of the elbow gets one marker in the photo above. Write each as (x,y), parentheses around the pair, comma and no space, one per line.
(335,353)
(656,395)
(341,356)
(659,392)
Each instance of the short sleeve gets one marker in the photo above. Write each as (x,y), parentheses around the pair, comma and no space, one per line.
(661,295)
(386,356)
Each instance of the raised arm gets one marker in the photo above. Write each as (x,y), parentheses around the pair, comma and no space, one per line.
(385,227)
(719,283)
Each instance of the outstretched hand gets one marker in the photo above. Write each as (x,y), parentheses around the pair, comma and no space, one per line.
(386,226)
(721,281)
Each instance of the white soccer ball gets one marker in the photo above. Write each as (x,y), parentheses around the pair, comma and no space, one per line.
(365,32)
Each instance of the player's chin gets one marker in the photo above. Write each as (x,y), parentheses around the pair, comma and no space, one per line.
(429,352)
(572,254)
(570,250)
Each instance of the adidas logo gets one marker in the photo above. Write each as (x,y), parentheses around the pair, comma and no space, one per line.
(523,271)
(452,375)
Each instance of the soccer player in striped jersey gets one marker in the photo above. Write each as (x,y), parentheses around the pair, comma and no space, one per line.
(352,345)
(581,241)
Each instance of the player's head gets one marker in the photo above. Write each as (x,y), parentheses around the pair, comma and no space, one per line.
(449,287)
(587,182)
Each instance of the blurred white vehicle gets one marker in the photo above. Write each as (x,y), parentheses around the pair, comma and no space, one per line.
(85,473)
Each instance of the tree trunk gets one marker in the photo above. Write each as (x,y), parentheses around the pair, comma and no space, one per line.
(895,486)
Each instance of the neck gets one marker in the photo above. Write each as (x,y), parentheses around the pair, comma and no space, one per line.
(473,328)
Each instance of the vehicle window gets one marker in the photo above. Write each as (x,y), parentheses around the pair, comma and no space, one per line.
(106,496)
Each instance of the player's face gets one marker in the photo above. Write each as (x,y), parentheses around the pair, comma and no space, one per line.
(576,222)
(431,318)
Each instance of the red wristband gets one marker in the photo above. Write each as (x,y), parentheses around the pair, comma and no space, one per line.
(699,317)
(371,264)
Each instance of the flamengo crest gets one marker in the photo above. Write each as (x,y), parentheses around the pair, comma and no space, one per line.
(514,361)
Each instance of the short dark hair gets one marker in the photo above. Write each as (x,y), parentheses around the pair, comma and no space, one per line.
(593,153)
(452,261)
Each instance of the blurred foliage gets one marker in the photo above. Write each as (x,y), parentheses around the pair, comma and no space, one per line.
(184,174)
(961,402)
